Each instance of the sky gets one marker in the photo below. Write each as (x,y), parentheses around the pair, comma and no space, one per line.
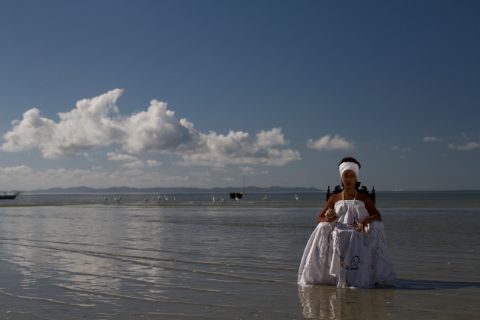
(187,93)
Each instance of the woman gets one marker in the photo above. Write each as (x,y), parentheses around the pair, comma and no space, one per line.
(348,246)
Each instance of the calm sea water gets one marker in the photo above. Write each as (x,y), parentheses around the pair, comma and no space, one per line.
(67,257)
(424,199)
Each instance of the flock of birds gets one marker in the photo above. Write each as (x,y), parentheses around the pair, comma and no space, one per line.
(159,199)
(164,198)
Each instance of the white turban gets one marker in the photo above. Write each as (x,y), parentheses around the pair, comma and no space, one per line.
(348,166)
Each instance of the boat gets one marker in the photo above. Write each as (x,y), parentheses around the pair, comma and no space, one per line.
(8,196)
(236,195)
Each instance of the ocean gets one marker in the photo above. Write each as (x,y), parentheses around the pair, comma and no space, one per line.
(140,256)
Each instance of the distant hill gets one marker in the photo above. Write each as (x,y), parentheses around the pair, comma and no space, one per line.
(123,190)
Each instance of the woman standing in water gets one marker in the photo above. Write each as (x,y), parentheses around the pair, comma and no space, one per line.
(348,246)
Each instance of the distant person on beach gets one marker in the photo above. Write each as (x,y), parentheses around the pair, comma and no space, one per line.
(348,246)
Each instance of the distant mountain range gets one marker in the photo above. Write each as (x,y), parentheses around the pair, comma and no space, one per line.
(124,190)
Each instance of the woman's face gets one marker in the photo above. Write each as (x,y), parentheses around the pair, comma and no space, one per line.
(349,179)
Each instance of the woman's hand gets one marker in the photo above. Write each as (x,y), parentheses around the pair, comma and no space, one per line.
(330,215)
(331,218)
(360,226)
(326,219)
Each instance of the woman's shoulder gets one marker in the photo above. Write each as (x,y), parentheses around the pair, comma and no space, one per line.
(334,198)
(363,197)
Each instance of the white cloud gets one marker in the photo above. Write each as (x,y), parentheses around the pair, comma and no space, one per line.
(113,156)
(92,123)
(97,123)
(15,170)
(138,164)
(270,138)
(33,131)
(431,139)
(238,148)
(157,129)
(130,161)
(328,142)
(466,146)
(125,176)
(43,178)
(252,172)
(153,163)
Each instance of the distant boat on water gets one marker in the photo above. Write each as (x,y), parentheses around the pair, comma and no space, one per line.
(8,195)
(236,195)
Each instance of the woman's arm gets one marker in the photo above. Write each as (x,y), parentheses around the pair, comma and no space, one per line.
(321,216)
(373,213)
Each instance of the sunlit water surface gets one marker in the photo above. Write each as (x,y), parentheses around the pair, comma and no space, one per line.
(152,262)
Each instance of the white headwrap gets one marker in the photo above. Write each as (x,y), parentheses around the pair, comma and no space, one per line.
(348,166)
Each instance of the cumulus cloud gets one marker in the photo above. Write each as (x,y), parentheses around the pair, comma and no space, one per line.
(466,146)
(93,122)
(238,147)
(97,122)
(33,131)
(157,129)
(270,138)
(431,139)
(328,142)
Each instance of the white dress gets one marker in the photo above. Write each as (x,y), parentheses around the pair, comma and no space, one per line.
(338,254)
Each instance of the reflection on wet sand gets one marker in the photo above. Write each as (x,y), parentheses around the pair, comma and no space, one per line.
(114,262)
(410,298)
(328,302)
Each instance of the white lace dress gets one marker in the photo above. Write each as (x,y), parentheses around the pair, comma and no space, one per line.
(338,254)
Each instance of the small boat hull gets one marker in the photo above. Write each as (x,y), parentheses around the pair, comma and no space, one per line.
(236,195)
(8,196)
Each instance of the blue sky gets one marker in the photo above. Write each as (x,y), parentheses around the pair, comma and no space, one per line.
(202,93)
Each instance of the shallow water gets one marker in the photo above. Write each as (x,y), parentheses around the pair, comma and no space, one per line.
(385,199)
(153,262)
